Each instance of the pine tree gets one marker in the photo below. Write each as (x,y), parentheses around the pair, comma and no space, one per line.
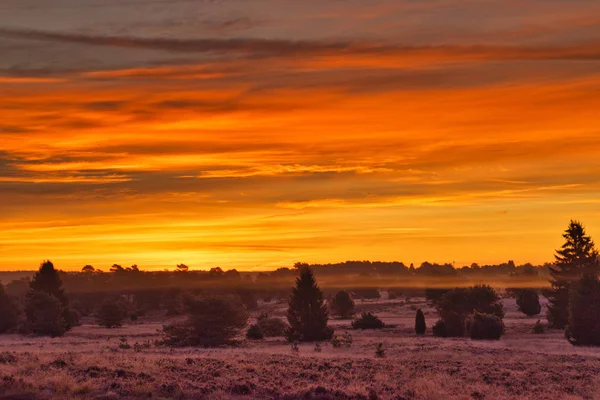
(307,313)
(9,313)
(577,256)
(584,312)
(420,326)
(48,282)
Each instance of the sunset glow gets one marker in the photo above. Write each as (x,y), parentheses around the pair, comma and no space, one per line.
(254,134)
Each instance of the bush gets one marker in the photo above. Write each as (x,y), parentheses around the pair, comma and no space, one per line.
(482,326)
(420,326)
(211,322)
(584,312)
(111,313)
(453,325)
(539,328)
(45,314)
(254,332)
(455,305)
(272,327)
(368,321)
(528,302)
(344,340)
(9,313)
(342,305)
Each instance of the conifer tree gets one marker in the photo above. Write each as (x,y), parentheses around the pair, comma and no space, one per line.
(584,312)
(576,257)
(420,326)
(307,313)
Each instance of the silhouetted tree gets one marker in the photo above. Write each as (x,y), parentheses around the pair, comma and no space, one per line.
(9,313)
(111,313)
(307,313)
(420,326)
(116,268)
(584,312)
(88,269)
(182,268)
(47,281)
(528,302)
(211,322)
(45,314)
(577,256)
(342,304)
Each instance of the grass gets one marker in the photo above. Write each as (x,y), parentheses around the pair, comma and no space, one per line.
(90,363)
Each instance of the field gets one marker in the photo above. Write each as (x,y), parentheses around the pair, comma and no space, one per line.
(99,363)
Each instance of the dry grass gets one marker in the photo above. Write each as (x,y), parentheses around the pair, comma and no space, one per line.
(90,363)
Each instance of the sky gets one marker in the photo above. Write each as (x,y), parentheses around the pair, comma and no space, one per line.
(253,134)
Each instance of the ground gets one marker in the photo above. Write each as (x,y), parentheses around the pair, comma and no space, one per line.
(97,363)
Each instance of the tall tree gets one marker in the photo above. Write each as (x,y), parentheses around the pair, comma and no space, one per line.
(577,256)
(307,313)
(584,312)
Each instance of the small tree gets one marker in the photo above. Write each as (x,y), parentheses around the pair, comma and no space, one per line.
(578,255)
(45,314)
(528,302)
(212,321)
(420,326)
(342,305)
(111,313)
(47,281)
(307,313)
(9,313)
(368,320)
(584,312)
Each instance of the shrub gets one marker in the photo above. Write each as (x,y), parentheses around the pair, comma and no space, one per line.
(452,325)
(528,302)
(367,320)
(45,314)
(9,313)
(110,313)
(482,326)
(211,322)
(272,327)
(455,305)
(342,305)
(584,312)
(254,332)
(539,328)
(307,313)
(420,326)
(344,340)
(379,350)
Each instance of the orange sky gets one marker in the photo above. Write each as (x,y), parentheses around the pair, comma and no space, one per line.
(253,134)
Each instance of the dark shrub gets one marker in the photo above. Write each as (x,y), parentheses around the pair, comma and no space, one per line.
(528,302)
(539,327)
(344,340)
(211,322)
(453,325)
(482,326)
(9,313)
(45,314)
(420,326)
(434,295)
(111,313)
(307,313)
(342,305)
(254,332)
(379,350)
(367,321)
(272,327)
(584,312)
(455,305)
(248,298)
